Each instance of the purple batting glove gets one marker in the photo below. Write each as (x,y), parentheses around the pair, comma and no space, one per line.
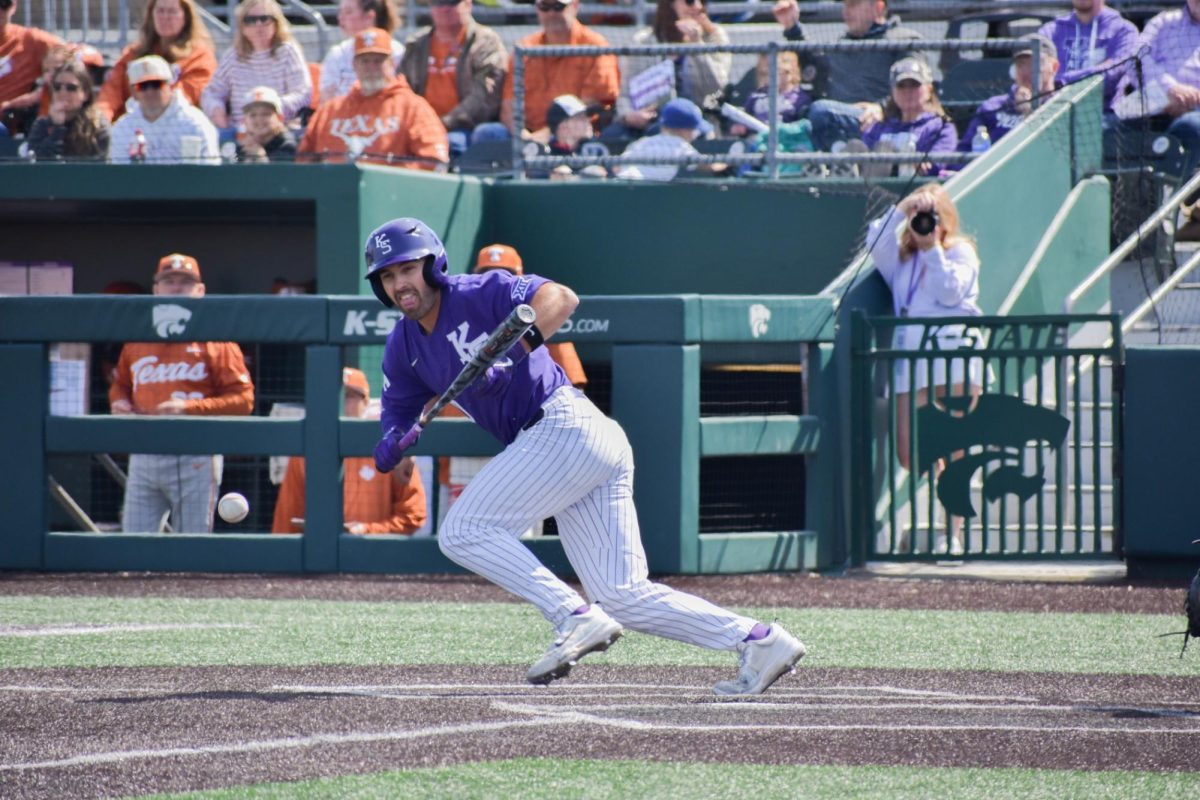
(493,382)
(391,447)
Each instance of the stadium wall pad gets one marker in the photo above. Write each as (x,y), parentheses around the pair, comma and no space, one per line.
(655,344)
(1158,463)
(248,224)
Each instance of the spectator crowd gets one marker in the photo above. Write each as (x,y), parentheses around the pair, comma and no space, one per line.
(421,103)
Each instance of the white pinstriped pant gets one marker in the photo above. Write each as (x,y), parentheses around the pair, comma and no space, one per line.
(185,485)
(575,465)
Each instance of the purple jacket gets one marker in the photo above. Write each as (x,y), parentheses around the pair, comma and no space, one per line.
(934,134)
(791,106)
(418,366)
(1172,45)
(998,115)
(1083,49)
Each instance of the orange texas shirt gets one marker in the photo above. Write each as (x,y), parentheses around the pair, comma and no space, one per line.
(394,121)
(593,79)
(211,377)
(21,54)
(381,501)
(441,86)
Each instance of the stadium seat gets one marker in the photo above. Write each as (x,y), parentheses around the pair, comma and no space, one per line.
(10,148)
(493,157)
(602,147)
(720,147)
(969,83)
(1127,149)
(999,24)
(737,93)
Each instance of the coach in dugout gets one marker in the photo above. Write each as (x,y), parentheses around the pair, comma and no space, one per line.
(381,118)
(171,378)
(372,502)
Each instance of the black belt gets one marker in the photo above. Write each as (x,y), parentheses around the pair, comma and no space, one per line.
(534,420)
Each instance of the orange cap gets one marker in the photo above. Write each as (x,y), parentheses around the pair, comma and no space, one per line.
(355,379)
(177,263)
(499,256)
(373,40)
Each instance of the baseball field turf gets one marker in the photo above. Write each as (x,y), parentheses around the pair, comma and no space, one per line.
(265,686)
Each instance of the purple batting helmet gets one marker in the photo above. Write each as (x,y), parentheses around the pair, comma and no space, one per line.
(404,239)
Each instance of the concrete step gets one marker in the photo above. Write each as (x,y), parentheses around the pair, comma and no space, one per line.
(981,543)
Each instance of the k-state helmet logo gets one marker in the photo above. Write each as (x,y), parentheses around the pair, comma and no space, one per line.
(170,320)
(382,244)
(760,316)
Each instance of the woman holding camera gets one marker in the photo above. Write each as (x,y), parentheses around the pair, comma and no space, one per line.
(932,269)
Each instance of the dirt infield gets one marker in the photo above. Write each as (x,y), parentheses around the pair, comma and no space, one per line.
(115,731)
(108,732)
(792,590)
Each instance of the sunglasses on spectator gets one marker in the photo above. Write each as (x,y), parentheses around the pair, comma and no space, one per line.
(551,6)
(149,86)
(446,2)
(257,19)
(66,87)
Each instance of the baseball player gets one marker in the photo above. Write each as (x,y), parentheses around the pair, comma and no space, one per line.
(563,458)
(371,503)
(456,471)
(167,378)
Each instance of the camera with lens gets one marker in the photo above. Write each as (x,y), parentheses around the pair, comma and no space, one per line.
(924,222)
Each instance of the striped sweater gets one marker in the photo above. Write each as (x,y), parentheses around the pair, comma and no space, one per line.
(285,72)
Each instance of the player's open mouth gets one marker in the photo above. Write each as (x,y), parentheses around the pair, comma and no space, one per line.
(407,301)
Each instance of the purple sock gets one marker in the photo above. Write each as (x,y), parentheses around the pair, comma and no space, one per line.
(759,631)
(583,609)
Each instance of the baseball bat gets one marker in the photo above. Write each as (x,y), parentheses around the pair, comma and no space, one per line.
(512,328)
(506,334)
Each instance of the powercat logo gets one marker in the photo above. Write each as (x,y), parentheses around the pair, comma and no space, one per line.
(760,317)
(358,323)
(170,320)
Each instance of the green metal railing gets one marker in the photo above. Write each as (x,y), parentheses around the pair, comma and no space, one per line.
(655,346)
(1013,456)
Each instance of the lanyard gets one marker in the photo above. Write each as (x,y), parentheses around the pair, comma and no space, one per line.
(914,280)
(1078,60)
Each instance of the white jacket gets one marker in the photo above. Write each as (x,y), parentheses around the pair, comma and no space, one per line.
(932,283)
(165,135)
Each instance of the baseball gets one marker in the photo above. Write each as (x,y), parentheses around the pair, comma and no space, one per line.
(233,507)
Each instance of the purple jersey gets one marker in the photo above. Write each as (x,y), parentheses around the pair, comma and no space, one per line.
(419,366)
(998,115)
(791,105)
(931,133)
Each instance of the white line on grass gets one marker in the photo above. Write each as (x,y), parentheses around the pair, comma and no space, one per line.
(80,630)
(578,716)
(644,690)
(93,759)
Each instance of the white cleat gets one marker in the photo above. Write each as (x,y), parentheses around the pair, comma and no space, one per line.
(579,635)
(762,662)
